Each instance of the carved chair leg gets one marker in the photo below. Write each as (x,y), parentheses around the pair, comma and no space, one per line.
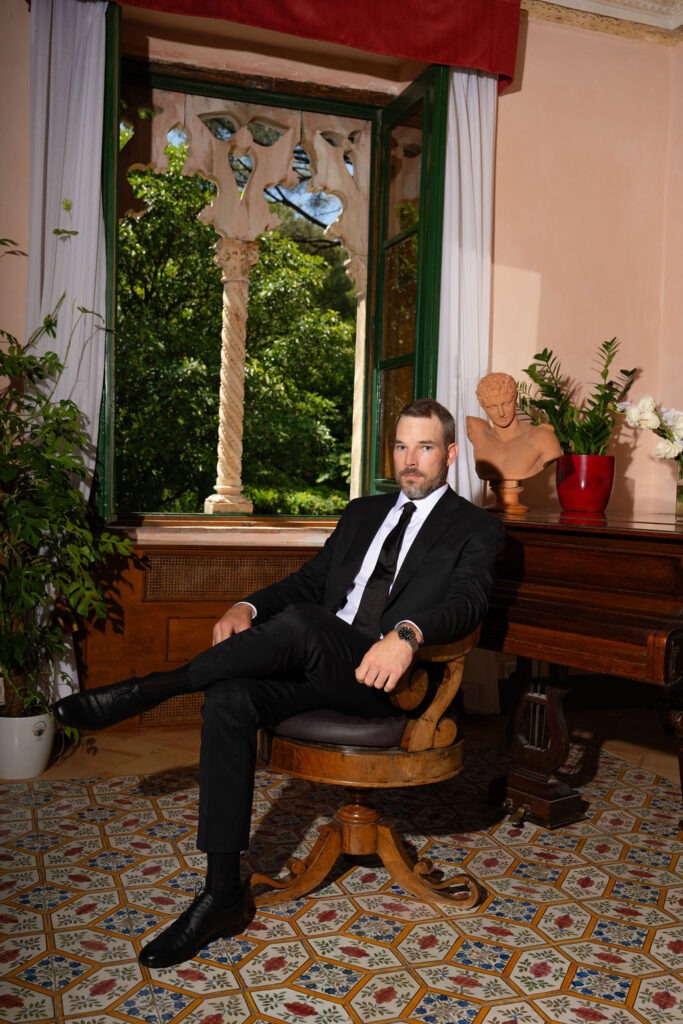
(304,875)
(415,876)
(360,830)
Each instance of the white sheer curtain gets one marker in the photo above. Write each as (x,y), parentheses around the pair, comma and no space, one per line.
(67,100)
(466,299)
(466,263)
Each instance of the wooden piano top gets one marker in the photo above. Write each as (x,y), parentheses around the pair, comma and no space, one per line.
(594,594)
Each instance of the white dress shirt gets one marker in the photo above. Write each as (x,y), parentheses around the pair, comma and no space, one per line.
(423,506)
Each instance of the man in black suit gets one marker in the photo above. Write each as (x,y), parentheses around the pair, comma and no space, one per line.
(397,572)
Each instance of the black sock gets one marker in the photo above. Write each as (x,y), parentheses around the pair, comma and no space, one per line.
(159,686)
(223,877)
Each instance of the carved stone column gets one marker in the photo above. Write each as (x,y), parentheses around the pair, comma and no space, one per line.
(235,258)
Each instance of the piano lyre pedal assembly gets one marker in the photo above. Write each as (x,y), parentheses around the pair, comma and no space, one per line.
(603,597)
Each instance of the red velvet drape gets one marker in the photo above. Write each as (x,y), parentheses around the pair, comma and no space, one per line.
(478,34)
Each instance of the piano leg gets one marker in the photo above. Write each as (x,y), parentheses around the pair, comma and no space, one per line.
(540,745)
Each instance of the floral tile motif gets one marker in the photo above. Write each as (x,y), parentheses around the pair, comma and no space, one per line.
(94,946)
(79,878)
(660,1000)
(519,888)
(440,1008)
(586,881)
(490,863)
(86,909)
(611,958)
(291,1007)
(643,914)
(621,934)
(379,929)
(476,985)
(16,952)
(540,971)
(354,952)
(667,948)
(589,981)
(385,996)
(513,1013)
(397,908)
(564,921)
(329,979)
(575,1010)
(579,925)
(269,929)
(101,989)
(20,1003)
(275,964)
(325,917)
(428,943)
(503,933)
(201,978)
(636,892)
(230,1009)
(19,921)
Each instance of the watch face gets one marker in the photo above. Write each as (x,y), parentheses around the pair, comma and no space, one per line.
(407,633)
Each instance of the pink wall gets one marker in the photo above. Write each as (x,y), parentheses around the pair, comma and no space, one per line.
(588,235)
(14,119)
(588,216)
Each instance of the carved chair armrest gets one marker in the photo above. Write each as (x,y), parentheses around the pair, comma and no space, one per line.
(433,728)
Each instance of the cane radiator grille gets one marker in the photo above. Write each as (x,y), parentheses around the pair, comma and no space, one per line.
(185,708)
(215,577)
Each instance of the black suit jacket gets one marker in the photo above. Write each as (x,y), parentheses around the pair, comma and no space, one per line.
(442,586)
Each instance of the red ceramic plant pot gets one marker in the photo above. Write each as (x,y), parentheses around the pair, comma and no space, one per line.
(584,482)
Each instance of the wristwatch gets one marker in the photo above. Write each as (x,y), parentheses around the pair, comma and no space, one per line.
(407,633)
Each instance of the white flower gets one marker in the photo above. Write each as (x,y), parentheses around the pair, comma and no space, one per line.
(633,416)
(677,425)
(666,449)
(648,421)
(647,404)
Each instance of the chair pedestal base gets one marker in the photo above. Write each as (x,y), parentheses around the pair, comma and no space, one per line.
(360,830)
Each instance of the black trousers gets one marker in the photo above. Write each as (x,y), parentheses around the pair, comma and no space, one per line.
(303,659)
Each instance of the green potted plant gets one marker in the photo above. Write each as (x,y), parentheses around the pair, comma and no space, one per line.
(50,547)
(585,472)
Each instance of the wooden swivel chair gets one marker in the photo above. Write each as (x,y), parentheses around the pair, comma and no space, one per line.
(414,749)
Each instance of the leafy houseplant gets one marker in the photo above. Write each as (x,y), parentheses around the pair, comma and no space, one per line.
(581,429)
(585,472)
(50,548)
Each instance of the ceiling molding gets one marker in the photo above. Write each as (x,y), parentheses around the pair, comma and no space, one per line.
(653,20)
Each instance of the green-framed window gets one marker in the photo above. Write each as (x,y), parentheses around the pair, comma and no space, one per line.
(405,250)
(404,301)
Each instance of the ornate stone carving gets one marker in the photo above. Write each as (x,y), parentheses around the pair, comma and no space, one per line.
(339,152)
(654,23)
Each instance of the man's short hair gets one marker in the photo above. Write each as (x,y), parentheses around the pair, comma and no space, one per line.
(425,408)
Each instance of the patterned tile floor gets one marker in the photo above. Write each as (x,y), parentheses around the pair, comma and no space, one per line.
(582,925)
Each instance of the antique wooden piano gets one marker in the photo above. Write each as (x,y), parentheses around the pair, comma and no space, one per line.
(582,592)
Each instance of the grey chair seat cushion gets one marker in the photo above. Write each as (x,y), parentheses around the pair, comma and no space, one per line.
(346,730)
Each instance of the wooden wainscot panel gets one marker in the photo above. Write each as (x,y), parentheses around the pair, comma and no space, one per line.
(166,604)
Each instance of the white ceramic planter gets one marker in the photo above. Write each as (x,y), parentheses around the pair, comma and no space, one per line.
(25,746)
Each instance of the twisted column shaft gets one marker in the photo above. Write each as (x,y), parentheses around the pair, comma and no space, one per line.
(235,258)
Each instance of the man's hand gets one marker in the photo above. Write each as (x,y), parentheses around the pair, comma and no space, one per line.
(385,662)
(235,620)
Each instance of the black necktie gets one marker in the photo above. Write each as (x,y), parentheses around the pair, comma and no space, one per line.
(374,597)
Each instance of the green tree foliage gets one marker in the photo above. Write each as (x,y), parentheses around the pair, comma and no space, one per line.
(167,354)
(299,376)
(299,370)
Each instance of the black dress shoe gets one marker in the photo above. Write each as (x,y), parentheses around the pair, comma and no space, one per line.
(203,921)
(96,709)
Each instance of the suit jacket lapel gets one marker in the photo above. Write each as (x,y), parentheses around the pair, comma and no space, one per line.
(442,517)
(369,515)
